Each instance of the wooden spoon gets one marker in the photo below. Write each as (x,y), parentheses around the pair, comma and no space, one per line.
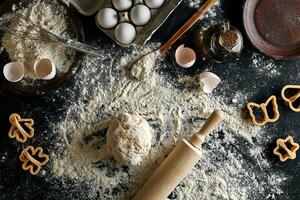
(201,11)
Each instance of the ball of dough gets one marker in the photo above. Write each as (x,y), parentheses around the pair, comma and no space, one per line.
(129,139)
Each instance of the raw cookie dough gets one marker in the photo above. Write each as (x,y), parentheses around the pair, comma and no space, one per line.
(129,139)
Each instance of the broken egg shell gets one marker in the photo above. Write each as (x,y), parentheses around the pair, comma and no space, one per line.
(154,3)
(125,33)
(107,18)
(122,5)
(140,15)
(44,69)
(185,57)
(14,71)
(209,81)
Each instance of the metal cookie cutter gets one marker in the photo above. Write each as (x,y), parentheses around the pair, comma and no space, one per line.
(17,130)
(290,152)
(263,107)
(293,99)
(31,163)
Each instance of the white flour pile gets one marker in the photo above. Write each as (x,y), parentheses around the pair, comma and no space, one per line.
(233,166)
(22,44)
(143,68)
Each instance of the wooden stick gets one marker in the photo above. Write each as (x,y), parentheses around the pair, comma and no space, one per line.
(201,11)
(177,165)
(214,120)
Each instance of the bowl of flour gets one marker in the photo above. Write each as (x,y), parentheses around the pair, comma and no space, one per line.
(56,18)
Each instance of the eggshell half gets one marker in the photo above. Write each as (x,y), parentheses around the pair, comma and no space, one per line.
(209,81)
(44,69)
(14,71)
(185,57)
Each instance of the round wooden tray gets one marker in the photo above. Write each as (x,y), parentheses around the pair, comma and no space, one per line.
(40,85)
(273,26)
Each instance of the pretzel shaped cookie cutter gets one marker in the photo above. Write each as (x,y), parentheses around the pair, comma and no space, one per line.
(30,163)
(290,152)
(17,131)
(266,118)
(293,99)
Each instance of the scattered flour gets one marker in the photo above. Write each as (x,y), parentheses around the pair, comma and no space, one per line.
(145,65)
(265,66)
(233,166)
(193,3)
(26,49)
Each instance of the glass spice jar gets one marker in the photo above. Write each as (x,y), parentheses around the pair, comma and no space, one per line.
(221,43)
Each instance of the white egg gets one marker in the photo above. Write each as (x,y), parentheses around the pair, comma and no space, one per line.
(125,33)
(107,18)
(140,15)
(154,3)
(122,5)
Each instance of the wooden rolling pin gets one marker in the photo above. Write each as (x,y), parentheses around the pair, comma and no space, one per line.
(178,164)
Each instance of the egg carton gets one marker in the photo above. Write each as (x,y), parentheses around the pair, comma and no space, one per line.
(128,21)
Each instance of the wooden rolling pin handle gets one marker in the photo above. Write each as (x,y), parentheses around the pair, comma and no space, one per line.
(201,11)
(214,120)
(177,165)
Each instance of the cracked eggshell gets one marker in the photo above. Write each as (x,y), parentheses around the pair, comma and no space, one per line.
(140,15)
(154,3)
(122,5)
(44,69)
(125,33)
(107,18)
(14,71)
(185,57)
(209,81)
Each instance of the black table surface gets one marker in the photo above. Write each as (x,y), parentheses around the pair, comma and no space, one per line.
(15,184)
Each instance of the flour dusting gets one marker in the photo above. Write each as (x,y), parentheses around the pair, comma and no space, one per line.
(22,41)
(265,66)
(233,165)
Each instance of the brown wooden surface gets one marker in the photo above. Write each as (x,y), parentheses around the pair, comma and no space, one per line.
(273,26)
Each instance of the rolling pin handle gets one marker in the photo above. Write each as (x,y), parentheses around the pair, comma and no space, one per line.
(214,119)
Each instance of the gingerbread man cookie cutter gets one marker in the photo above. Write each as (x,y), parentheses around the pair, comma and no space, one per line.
(30,163)
(290,153)
(266,118)
(17,131)
(293,99)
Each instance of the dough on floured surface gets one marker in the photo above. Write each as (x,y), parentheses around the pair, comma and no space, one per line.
(129,139)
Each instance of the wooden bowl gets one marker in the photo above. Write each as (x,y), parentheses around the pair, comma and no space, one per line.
(273,26)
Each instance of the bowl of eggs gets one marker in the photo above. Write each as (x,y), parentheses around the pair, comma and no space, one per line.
(128,21)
